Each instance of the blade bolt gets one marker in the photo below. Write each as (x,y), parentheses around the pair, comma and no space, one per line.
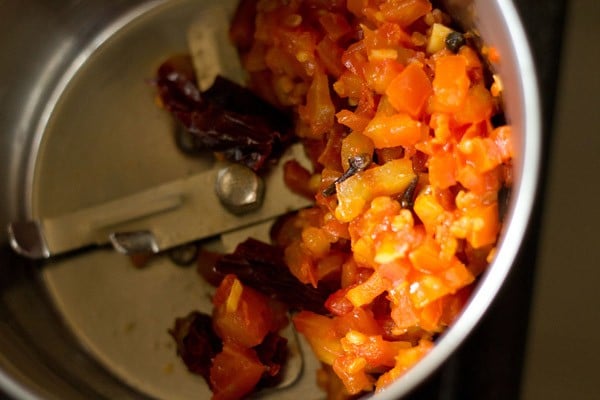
(239,189)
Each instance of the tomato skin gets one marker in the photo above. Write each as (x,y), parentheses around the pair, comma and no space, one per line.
(240,313)
(235,372)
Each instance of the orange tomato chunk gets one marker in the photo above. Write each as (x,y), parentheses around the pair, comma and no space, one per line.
(235,372)
(395,130)
(320,332)
(241,314)
(451,83)
(409,90)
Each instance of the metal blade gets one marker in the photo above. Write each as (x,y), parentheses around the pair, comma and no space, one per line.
(169,215)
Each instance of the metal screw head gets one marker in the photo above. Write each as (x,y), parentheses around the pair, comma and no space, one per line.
(134,242)
(239,189)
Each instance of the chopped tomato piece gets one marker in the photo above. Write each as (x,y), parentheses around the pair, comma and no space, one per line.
(380,74)
(503,137)
(241,314)
(395,130)
(235,372)
(403,312)
(442,169)
(366,292)
(321,335)
(405,12)
(319,111)
(351,371)
(429,211)
(477,106)
(451,83)
(404,360)
(353,120)
(409,91)
(358,319)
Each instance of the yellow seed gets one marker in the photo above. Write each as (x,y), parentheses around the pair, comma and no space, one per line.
(233,300)
(383,54)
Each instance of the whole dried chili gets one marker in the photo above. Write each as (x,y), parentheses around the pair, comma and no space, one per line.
(226,118)
(197,343)
(262,267)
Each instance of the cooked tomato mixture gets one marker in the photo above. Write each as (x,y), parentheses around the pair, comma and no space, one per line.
(402,120)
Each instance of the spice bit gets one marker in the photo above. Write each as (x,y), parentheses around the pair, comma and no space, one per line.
(454,41)
(408,197)
(357,164)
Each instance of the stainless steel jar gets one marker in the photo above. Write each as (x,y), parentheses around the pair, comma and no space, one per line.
(72,88)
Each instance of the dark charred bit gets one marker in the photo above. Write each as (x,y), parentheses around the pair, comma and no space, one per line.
(454,41)
(197,343)
(357,163)
(407,200)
